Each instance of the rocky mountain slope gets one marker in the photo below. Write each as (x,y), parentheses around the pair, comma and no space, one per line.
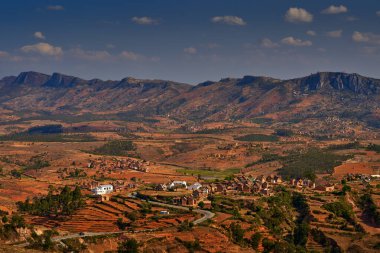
(319,95)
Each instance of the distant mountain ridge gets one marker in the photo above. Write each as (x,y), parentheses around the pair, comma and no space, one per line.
(322,94)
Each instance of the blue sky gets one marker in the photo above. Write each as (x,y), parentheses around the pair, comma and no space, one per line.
(189,41)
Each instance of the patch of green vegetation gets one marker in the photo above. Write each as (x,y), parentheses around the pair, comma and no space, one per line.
(369,208)
(185,226)
(192,246)
(183,147)
(340,209)
(77,173)
(262,120)
(329,245)
(211,131)
(115,148)
(74,245)
(36,163)
(220,174)
(10,226)
(236,233)
(310,162)
(42,242)
(25,137)
(284,132)
(46,129)
(350,145)
(128,246)
(374,147)
(257,138)
(64,203)
(266,157)
(85,117)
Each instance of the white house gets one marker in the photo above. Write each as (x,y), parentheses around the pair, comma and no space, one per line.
(195,186)
(103,189)
(177,184)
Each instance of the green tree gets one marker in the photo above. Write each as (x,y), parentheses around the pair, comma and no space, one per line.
(128,246)
(255,240)
(237,233)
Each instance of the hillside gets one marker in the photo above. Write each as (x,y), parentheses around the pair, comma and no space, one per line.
(321,95)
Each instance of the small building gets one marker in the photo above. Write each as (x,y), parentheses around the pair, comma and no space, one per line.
(103,189)
(177,184)
(277,180)
(265,192)
(325,188)
(194,186)
(161,187)
(103,198)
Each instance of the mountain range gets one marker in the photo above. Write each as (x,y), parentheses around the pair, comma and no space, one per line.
(324,94)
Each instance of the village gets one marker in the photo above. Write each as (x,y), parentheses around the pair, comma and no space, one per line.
(192,193)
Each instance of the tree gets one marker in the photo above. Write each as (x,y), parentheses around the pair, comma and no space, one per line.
(128,246)
(301,233)
(201,204)
(237,233)
(346,188)
(255,240)
(185,226)
(4,219)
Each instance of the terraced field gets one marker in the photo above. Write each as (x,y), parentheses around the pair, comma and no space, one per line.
(102,217)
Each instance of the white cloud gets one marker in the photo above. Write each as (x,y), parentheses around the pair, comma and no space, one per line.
(370,38)
(298,15)
(3,54)
(55,8)
(144,21)
(131,56)
(90,55)
(43,49)
(311,33)
(267,43)
(39,35)
(335,34)
(229,20)
(335,9)
(190,50)
(291,41)
(378,13)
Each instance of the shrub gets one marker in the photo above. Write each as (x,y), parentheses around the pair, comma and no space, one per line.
(128,246)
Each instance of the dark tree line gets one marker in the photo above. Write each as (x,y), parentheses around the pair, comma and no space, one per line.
(369,208)
(62,204)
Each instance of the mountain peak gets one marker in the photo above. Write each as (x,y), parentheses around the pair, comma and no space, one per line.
(31,77)
(339,81)
(60,80)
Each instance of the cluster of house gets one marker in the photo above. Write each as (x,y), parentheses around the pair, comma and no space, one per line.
(302,183)
(246,184)
(199,193)
(322,186)
(115,163)
(240,184)
(361,177)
